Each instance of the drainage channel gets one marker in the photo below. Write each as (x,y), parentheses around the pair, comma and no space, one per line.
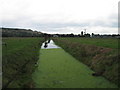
(58,69)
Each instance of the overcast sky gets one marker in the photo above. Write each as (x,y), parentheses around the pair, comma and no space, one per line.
(61,16)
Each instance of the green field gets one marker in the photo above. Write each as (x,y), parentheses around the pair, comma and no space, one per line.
(15,44)
(102,42)
(18,59)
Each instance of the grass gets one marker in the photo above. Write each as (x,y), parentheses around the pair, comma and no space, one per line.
(103,60)
(18,60)
(102,42)
(58,69)
(15,44)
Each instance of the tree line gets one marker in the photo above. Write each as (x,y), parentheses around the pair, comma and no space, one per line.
(15,32)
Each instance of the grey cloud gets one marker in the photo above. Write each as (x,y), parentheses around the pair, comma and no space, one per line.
(27,22)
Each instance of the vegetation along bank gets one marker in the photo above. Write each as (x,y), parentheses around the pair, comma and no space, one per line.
(19,58)
(101,55)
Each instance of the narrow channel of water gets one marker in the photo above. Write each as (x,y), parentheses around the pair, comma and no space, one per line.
(58,69)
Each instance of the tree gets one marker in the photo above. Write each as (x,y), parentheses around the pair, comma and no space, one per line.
(82,33)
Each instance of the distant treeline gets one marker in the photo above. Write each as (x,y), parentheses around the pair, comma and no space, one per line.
(15,32)
(88,35)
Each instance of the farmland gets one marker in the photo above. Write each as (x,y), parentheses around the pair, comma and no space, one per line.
(101,55)
(102,42)
(19,58)
(83,57)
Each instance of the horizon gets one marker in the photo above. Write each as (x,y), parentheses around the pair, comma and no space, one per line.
(60,33)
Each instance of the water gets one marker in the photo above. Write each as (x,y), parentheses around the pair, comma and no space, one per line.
(50,45)
(58,69)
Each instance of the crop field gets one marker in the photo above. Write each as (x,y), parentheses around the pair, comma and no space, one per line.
(99,54)
(19,56)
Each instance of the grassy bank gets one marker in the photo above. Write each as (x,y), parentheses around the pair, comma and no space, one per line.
(19,58)
(102,58)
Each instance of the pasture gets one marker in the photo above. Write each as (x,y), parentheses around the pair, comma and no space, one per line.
(102,42)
